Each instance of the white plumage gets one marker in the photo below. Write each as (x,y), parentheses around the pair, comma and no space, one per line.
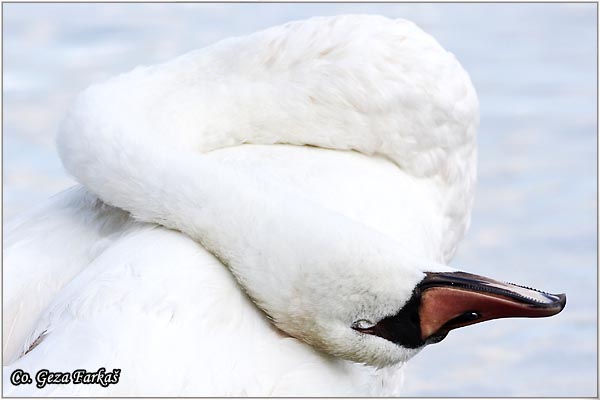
(212,145)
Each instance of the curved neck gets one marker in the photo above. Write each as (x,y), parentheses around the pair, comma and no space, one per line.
(269,235)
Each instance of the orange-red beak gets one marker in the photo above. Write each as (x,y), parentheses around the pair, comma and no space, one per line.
(451,300)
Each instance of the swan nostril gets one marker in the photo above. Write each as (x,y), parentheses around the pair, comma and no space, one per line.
(468,316)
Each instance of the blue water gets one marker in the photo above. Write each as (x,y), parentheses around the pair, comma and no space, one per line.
(534,221)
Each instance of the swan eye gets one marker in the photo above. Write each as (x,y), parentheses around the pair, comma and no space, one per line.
(362,324)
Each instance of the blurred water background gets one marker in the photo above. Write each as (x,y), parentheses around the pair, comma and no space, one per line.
(534,222)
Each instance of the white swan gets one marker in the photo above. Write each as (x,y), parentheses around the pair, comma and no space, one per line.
(342,245)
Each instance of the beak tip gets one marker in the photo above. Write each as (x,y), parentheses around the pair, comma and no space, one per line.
(562,300)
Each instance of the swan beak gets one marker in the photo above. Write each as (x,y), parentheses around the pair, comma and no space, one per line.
(451,300)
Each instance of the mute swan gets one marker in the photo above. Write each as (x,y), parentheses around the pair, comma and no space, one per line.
(271,215)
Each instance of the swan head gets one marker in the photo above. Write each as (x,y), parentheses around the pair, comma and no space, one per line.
(384,314)
(384,322)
